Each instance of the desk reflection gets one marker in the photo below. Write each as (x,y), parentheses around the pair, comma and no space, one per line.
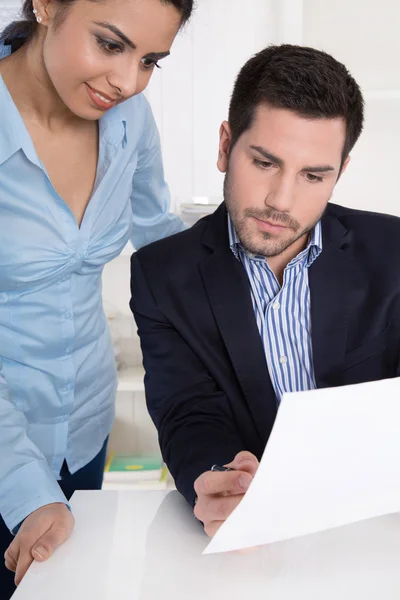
(358,561)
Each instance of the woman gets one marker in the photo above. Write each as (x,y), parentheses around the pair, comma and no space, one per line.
(80,172)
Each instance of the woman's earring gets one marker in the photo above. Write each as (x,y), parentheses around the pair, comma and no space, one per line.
(38,19)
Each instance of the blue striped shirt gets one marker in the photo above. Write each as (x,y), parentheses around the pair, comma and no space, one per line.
(283,313)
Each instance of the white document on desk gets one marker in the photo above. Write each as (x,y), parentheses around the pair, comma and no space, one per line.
(333,458)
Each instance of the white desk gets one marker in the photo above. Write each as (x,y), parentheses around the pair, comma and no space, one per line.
(147,546)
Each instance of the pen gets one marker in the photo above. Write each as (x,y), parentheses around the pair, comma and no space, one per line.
(222,469)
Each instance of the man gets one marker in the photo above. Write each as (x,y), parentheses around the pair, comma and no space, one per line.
(276,291)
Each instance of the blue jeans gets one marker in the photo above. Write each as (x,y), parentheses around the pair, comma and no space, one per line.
(90,477)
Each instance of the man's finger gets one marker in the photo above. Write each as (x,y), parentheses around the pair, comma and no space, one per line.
(212,528)
(46,545)
(232,482)
(25,560)
(216,508)
(245,461)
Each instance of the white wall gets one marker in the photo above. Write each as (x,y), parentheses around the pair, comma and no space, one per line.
(8,11)
(190,95)
(364,35)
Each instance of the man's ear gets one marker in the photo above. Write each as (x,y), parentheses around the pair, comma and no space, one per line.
(344,166)
(225,138)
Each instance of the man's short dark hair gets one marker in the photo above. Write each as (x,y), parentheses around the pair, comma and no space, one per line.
(309,82)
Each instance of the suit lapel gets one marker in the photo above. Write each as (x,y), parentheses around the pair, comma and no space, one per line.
(331,290)
(228,290)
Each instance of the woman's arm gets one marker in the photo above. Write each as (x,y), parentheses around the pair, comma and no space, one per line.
(26,481)
(150,193)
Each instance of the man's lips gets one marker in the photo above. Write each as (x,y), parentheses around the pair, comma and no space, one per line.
(270,226)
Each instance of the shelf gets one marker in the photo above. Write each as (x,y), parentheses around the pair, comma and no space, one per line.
(138,486)
(131,380)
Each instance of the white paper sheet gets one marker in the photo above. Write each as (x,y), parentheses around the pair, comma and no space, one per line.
(333,458)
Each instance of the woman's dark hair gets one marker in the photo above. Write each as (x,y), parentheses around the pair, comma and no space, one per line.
(19,32)
(309,82)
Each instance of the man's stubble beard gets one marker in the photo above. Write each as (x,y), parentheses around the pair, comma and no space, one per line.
(268,214)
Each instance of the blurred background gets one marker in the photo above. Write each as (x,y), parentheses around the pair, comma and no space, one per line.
(190,97)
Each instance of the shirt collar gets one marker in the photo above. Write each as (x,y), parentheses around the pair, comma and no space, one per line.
(309,254)
(8,134)
(13,134)
(112,127)
(234,242)
(5,50)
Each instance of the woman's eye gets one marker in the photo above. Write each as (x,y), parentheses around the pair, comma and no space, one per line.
(148,63)
(108,46)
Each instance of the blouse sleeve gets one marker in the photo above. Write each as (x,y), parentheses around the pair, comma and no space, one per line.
(150,197)
(26,481)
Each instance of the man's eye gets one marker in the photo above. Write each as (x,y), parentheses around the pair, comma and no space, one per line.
(148,63)
(313,178)
(263,164)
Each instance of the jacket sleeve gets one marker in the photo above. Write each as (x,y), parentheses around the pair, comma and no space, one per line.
(150,196)
(26,481)
(192,415)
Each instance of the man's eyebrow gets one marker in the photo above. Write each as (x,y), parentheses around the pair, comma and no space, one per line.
(313,169)
(268,155)
(319,169)
(127,41)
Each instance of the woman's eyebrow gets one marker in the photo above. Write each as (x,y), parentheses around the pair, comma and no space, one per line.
(127,41)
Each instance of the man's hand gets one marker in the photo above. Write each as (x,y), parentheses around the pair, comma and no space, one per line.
(39,535)
(218,494)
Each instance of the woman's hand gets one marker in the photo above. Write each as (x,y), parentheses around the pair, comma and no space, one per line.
(39,535)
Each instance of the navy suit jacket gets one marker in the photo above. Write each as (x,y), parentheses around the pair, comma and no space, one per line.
(207,384)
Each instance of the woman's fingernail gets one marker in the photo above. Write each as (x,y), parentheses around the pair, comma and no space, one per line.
(40,552)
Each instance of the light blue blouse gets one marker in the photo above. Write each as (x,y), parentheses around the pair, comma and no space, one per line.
(57,369)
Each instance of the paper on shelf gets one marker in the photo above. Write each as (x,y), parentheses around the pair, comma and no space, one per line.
(333,458)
